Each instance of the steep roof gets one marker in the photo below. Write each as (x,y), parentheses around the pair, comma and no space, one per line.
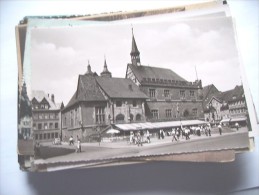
(87,90)
(120,88)
(226,96)
(154,72)
(209,89)
(134,48)
(40,95)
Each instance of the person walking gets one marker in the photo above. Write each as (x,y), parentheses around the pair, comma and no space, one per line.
(178,133)
(148,137)
(220,129)
(174,135)
(71,140)
(139,139)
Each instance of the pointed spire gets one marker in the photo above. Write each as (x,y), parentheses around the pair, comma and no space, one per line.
(105,71)
(135,59)
(89,71)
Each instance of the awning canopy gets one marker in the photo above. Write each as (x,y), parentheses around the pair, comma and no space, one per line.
(158,125)
(233,119)
(238,119)
(226,120)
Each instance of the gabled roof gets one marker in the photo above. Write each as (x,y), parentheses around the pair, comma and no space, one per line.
(142,72)
(226,96)
(88,89)
(120,88)
(209,89)
(40,96)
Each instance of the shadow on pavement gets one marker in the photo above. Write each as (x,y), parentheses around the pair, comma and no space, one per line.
(48,152)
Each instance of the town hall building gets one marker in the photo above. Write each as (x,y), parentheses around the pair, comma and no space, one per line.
(147,94)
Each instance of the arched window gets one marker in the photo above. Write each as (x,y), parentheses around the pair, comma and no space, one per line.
(131,117)
(120,118)
(186,113)
(138,117)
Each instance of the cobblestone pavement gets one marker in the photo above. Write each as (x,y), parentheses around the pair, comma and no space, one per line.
(107,150)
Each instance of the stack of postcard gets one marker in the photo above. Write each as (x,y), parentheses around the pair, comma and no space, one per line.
(131,87)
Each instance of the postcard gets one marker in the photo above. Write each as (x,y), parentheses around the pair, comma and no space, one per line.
(140,90)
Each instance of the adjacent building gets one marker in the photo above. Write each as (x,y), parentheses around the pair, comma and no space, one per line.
(24,115)
(229,106)
(46,114)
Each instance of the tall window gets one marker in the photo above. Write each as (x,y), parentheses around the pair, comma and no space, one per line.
(194,112)
(154,114)
(191,93)
(166,93)
(99,115)
(56,125)
(168,113)
(134,103)
(39,126)
(152,93)
(138,117)
(182,94)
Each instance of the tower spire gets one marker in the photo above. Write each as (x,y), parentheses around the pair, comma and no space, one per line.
(89,71)
(106,72)
(135,54)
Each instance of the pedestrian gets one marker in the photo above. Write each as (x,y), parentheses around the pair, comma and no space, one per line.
(148,137)
(78,145)
(142,136)
(187,133)
(174,135)
(178,132)
(71,140)
(131,137)
(220,129)
(139,139)
(237,126)
(162,134)
(209,129)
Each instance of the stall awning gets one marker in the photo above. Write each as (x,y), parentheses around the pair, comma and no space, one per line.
(238,119)
(158,125)
(226,120)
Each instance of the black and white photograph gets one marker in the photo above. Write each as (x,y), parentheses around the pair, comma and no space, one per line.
(100,92)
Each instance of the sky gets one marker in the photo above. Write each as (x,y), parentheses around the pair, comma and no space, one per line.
(59,54)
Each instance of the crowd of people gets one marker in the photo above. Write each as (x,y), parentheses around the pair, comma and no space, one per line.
(144,136)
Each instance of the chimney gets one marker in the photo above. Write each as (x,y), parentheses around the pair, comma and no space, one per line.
(52,98)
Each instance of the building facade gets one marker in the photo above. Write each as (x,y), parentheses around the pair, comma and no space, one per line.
(170,97)
(229,106)
(99,102)
(46,115)
(24,115)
